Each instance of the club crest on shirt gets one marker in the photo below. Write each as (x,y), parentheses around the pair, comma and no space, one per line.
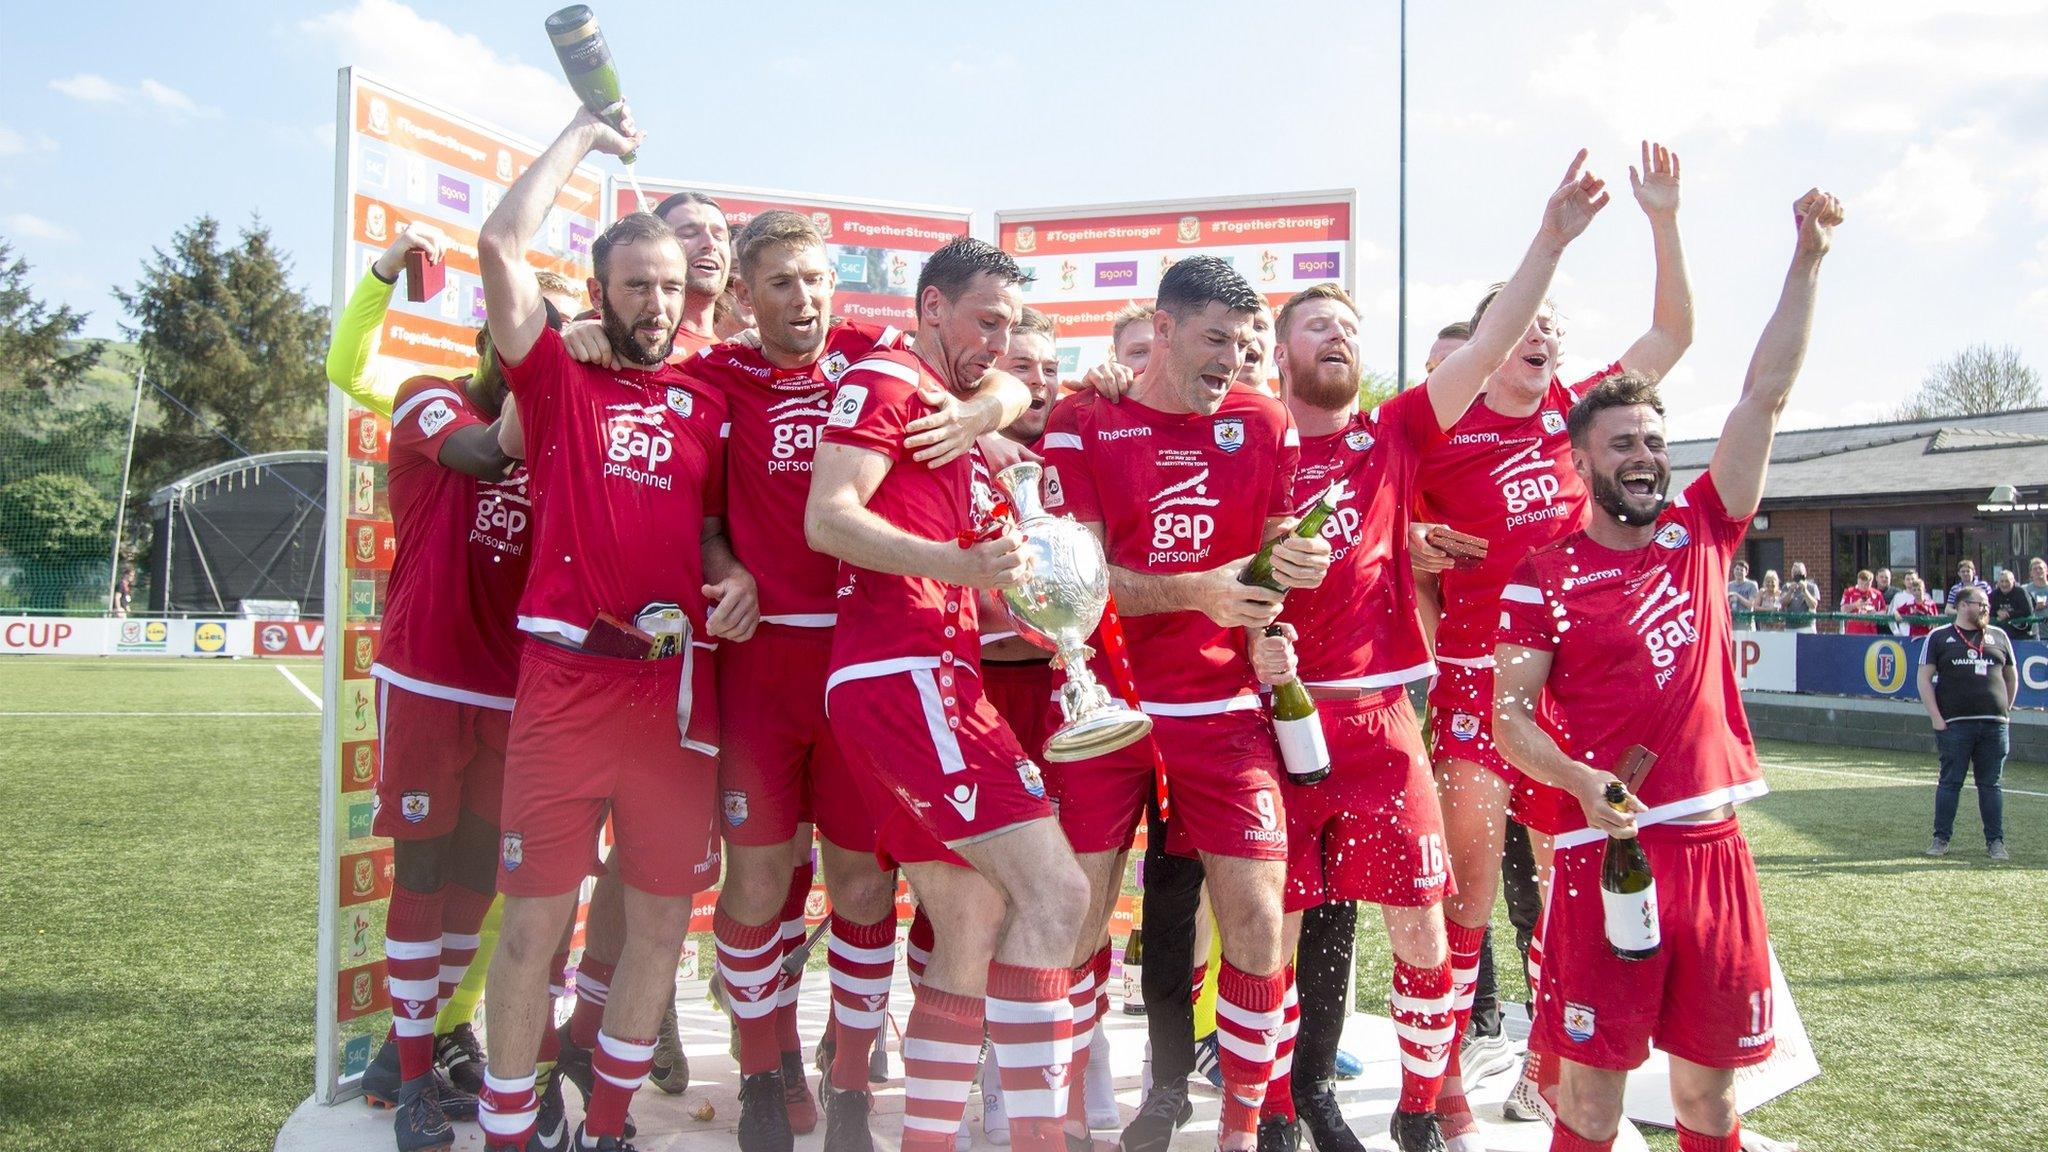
(413,806)
(1358,440)
(834,366)
(1553,422)
(846,406)
(1578,1022)
(1034,780)
(1464,725)
(735,808)
(680,402)
(512,851)
(1230,433)
(1673,536)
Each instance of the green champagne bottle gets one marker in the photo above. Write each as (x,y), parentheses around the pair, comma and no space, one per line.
(1302,748)
(1628,892)
(587,62)
(1134,972)
(1260,571)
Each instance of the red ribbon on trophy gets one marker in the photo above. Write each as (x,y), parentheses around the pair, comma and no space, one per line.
(1117,655)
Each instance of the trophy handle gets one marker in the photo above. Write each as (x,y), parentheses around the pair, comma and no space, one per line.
(1021,480)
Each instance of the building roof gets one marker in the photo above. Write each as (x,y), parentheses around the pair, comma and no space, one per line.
(1926,461)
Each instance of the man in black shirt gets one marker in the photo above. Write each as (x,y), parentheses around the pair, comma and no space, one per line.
(1968,681)
(2011,607)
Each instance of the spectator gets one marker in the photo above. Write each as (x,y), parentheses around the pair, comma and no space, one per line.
(1741,596)
(1885,587)
(1904,595)
(1863,600)
(1801,600)
(1770,600)
(1968,680)
(1966,577)
(2011,608)
(2037,587)
(1914,601)
(124,592)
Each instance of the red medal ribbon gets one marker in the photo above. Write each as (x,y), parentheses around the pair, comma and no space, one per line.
(1117,654)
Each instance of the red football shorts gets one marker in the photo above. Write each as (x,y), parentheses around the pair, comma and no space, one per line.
(595,736)
(940,769)
(1704,997)
(438,757)
(779,765)
(1222,774)
(1461,728)
(1025,694)
(1371,830)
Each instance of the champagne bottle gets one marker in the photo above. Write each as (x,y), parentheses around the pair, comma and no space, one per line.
(1628,892)
(587,62)
(1260,571)
(1302,748)
(1134,972)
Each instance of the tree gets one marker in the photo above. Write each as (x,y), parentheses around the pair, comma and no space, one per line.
(1375,389)
(39,349)
(1979,380)
(59,529)
(237,349)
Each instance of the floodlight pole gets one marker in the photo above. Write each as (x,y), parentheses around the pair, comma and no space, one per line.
(1401,309)
(121,506)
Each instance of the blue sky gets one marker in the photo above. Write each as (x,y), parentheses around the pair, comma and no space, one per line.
(120,122)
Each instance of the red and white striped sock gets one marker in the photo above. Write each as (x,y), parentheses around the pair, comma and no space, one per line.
(505,1111)
(1691,1141)
(791,984)
(619,1067)
(1563,1139)
(917,947)
(1102,964)
(1248,1016)
(1421,1007)
(1200,978)
(593,992)
(1280,1085)
(750,966)
(860,958)
(1031,1031)
(462,914)
(1081,995)
(941,1049)
(412,976)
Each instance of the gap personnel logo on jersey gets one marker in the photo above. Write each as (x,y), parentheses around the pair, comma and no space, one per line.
(512,851)
(1464,725)
(435,417)
(834,366)
(1034,781)
(735,808)
(1578,1022)
(1673,535)
(680,402)
(1027,238)
(846,406)
(1230,433)
(1180,534)
(1358,439)
(1664,618)
(638,441)
(1553,422)
(413,806)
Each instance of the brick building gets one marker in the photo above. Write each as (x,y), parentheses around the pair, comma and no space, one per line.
(1909,494)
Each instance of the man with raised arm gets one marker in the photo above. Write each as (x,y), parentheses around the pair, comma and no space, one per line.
(630,582)
(1372,829)
(1624,627)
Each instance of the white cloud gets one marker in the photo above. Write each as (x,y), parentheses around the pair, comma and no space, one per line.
(420,55)
(1936,194)
(96,89)
(1465,123)
(13,143)
(37,228)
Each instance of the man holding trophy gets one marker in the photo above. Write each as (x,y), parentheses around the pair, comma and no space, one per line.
(956,801)
(1182,480)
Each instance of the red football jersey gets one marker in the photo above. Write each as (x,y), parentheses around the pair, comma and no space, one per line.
(1176,492)
(890,623)
(1642,652)
(624,466)
(773,417)
(1509,481)
(463,547)
(1358,629)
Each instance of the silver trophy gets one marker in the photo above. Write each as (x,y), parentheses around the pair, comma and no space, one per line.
(1057,608)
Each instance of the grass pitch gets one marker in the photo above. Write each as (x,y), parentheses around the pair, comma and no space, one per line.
(158,847)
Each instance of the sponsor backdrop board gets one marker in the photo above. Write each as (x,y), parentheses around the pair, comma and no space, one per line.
(157,636)
(398,159)
(1889,666)
(877,247)
(1088,262)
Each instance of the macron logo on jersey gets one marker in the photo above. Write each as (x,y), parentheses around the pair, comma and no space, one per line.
(1180,531)
(1664,618)
(638,443)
